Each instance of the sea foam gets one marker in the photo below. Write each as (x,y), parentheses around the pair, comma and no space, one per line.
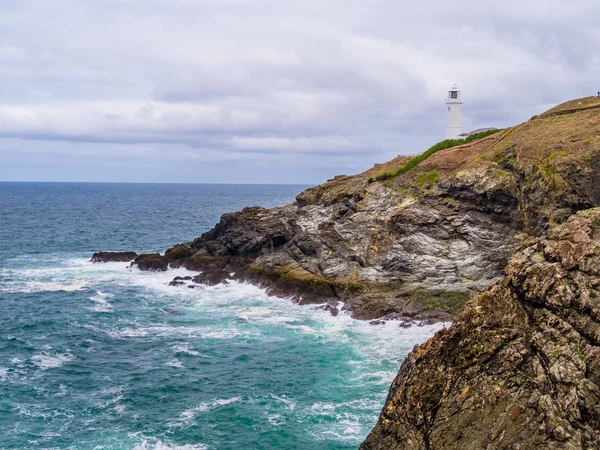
(45,362)
(100,300)
(207,406)
(30,287)
(159,445)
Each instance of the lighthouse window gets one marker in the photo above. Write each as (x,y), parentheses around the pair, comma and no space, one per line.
(448,108)
(453,94)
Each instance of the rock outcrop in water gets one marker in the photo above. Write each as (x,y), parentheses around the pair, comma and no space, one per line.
(153,262)
(421,243)
(520,367)
(104,257)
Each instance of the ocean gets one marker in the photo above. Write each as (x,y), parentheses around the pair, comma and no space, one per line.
(101,356)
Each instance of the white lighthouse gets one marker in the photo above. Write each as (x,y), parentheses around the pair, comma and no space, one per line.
(453,114)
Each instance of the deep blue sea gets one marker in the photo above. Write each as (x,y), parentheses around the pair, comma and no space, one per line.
(100,356)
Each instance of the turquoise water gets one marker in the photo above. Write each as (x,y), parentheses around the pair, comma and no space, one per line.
(99,356)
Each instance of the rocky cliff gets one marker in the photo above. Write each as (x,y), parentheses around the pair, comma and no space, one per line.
(520,367)
(422,241)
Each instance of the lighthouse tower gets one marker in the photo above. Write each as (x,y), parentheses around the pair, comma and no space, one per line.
(453,114)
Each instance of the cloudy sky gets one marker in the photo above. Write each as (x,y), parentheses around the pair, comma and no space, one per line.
(271,91)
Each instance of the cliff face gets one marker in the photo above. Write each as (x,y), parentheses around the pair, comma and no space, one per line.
(520,367)
(421,243)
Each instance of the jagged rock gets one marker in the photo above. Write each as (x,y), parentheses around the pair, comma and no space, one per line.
(520,367)
(104,257)
(212,277)
(377,322)
(178,252)
(332,309)
(200,262)
(187,278)
(407,322)
(152,262)
(250,232)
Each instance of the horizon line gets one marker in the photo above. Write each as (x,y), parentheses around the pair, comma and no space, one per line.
(158,182)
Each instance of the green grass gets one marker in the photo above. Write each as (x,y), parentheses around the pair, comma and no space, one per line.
(448,143)
(557,154)
(450,301)
(430,177)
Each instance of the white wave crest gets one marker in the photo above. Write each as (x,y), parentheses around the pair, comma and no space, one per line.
(175,363)
(303,328)
(276,420)
(189,414)
(129,332)
(45,362)
(184,349)
(283,399)
(100,300)
(159,445)
(255,312)
(29,287)
(211,332)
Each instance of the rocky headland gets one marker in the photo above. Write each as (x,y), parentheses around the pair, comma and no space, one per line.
(418,244)
(504,222)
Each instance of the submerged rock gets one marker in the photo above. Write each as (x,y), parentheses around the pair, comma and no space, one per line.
(520,367)
(104,257)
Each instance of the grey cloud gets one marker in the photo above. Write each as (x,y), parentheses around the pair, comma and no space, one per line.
(308,87)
